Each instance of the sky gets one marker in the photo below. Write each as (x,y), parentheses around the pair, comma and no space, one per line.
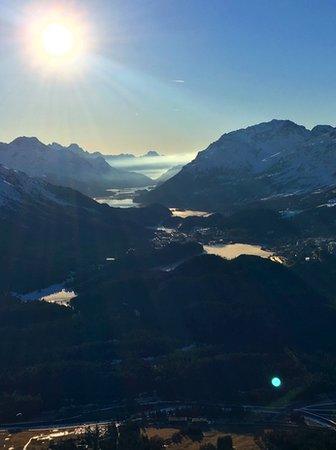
(170,75)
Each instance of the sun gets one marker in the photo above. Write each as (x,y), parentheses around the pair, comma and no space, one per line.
(57,40)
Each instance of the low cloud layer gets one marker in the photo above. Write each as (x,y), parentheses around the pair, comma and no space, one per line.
(153,166)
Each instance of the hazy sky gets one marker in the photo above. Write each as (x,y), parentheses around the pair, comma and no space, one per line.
(171,75)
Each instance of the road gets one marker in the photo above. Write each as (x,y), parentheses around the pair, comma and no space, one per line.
(318,414)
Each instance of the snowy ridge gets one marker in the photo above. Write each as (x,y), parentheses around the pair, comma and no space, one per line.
(269,159)
(287,153)
(169,173)
(66,166)
(17,187)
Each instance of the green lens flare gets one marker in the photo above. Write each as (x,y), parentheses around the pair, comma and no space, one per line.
(276,382)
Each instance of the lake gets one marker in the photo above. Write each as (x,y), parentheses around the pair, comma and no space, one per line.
(120,198)
(231,251)
(55,293)
(188,213)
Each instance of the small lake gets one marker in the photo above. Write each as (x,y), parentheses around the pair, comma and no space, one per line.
(188,213)
(231,251)
(56,293)
(120,198)
(118,202)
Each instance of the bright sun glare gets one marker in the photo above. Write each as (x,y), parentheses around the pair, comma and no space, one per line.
(57,40)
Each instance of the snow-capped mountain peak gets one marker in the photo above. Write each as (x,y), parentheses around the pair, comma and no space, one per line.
(67,166)
(272,158)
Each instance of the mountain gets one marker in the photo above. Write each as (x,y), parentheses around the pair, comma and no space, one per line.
(67,166)
(276,159)
(125,156)
(210,331)
(170,173)
(121,156)
(151,154)
(46,231)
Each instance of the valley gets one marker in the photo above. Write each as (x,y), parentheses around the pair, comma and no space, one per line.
(167,225)
(181,305)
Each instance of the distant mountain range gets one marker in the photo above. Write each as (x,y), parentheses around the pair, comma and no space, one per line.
(146,164)
(262,163)
(123,156)
(67,166)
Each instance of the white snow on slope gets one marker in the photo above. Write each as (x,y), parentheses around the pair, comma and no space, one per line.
(17,187)
(287,153)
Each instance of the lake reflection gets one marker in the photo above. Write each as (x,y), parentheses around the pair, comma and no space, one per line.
(188,213)
(231,251)
(120,198)
(62,297)
(52,294)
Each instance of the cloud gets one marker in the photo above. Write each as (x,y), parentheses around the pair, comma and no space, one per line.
(178,81)
(159,162)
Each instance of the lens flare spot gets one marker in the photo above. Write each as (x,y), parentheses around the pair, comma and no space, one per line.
(276,382)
